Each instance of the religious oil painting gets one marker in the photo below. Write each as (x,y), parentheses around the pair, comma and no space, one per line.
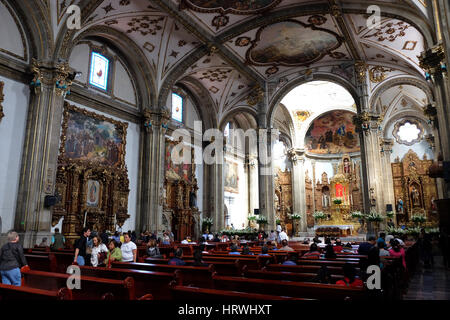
(230,6)
(177,166)
(93,193)
(92,138)
(291,43)
(231,177)
(332,133)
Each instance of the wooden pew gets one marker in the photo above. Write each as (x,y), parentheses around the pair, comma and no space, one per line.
(289,276)
(146,282)
(289,288)
(63,260)
(190,275)
(185,293)
(328,263)
(91,288)
(44,262)
(304,269)
(14,293)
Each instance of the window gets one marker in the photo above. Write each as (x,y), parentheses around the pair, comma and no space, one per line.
(99,71)
(177,107)
(408,132)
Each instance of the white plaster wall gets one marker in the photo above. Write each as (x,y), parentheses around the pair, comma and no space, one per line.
(79,60)
(123,86)
(12,134)
(10,36)
(132,162)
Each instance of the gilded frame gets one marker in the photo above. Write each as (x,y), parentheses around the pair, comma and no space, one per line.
(2,98)
(121,128)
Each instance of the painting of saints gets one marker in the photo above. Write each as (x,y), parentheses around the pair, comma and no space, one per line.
(93,194)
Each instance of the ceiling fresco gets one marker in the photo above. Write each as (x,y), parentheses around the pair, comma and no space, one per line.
(292,43)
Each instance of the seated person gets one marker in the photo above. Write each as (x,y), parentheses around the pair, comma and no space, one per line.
(383,251)
(43,243)
(291,260)
(338,246)
(285,246)
(381,239)
(306,241)
(152,249)
(114,254)
(234,249)
(264,251)
(364,247)
(347,248)
(271,246)
(316,239)
(329,252)
(246,250)
(313,252)
(216,238)
(187,240)
(198,258)
(177,259)
(350,279)
(323,276)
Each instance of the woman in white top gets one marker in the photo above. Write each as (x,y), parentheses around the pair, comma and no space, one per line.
(97,248)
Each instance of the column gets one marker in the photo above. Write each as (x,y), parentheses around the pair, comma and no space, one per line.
(152,166)
(251,163)
(50,84)
(388,183)
(298,187)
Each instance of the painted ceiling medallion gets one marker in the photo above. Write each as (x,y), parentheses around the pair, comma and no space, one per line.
(229,6)
(291,43)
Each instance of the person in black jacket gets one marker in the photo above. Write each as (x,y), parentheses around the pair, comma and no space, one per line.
(11,260)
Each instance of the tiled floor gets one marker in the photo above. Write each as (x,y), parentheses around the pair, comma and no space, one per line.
(430,283)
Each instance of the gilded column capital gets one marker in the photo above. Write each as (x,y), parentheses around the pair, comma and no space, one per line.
(386,146)
(361,71)
(63,78)
(366,121)
(432,62)
(159,119)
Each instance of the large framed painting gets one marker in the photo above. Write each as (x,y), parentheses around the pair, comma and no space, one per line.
(90,138)
(179,170)
(231,183)
(332,133)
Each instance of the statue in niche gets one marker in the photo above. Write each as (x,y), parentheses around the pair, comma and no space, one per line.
(325,200)
(347,166)
(400,206)
(415,197)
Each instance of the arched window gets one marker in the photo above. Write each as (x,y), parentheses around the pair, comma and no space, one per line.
(99,71)
(177,107)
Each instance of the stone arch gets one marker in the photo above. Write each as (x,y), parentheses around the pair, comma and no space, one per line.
(38,31)
(231,113)
(275,101)
(131,55)
(419,83)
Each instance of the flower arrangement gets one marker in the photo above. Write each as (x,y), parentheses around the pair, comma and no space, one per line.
(278,221)
(395,231)
(390,214)
(251,218)
(413,231)
(295,216)
(207,222)
(418,218)
(261,220)
(318,215)
(240,232)
(374,217)
(357,215)
(337,201)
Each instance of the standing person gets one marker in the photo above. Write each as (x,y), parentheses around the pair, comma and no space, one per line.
(114,254)
(364,247)
(11,260)
(129,249)
(81,246)
(283,236)
(58,240)
(99,251)
(398,252)
(104,237)
(272,236)
(116,237)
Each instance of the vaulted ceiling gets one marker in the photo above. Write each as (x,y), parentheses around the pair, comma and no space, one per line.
(258,42)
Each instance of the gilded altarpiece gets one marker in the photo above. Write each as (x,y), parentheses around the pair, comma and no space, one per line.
(92,178)
(414,190)
(180,192)
(283,198)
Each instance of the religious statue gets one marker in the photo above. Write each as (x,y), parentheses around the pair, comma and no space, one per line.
(347,166)
(192,200)
(400,206)
(415,197)
(325,200)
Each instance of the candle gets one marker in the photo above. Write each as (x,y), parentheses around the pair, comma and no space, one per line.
(85,214)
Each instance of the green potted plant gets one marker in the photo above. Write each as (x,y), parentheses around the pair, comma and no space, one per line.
(261,220)
(390,214)
(418,219)
(374,219)
(337,201)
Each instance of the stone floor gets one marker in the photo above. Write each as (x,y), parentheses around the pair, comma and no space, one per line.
(430,283)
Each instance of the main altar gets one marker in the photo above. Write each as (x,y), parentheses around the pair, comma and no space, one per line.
(339,197)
